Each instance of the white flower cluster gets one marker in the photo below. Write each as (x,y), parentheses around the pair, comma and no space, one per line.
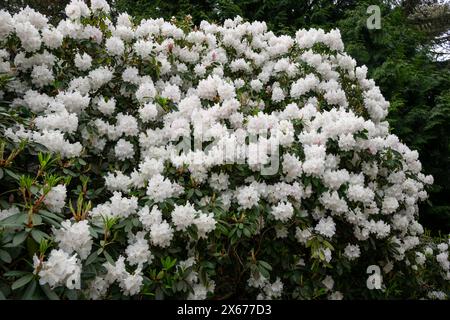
(138,251)
(200,290)
(118,206)
(268,290)
(74,237)
(130,283)
(184,216)
(235,87)
(55,199)
(60,269)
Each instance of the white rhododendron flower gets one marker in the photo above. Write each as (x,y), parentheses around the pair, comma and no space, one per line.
(60,269)
(74,237)
(55,199)
(83,62)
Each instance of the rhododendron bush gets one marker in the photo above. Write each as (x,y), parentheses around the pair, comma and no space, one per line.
(163,160)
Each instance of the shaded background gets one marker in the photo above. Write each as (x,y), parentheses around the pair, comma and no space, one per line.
(409,58)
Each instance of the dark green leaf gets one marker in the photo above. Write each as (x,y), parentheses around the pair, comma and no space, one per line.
(38,235)
(19,238)
(265,265)
(14,273)
(49,292)
(28,294)
(91,258)
(22,281)
(36,219)
(12,174)
(5,256)
(50,215)
(108,257)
